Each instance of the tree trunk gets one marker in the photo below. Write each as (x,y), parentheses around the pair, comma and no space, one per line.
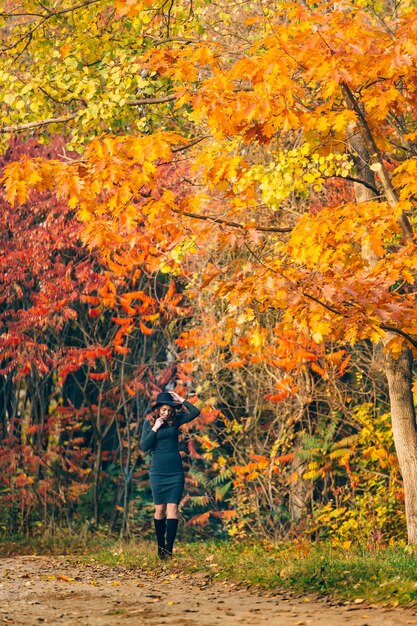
(399,373)
(96,492)
(301,490)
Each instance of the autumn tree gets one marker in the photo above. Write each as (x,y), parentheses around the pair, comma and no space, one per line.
(265,115)
(83,350)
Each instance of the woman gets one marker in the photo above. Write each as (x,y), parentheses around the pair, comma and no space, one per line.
(160,435)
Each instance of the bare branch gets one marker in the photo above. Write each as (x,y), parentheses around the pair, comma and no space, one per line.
(192,143)
(43,18)
(358,180)
(29,125)
(219,220)
(398,331)
(50,14)
(146,101)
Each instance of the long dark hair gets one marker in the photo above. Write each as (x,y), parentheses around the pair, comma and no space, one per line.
(153,415)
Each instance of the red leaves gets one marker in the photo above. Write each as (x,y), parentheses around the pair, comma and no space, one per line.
(145,329)
(21,480)
(129,390)
(121,349)
(200,519)
(122,321)
(99,375)
(237,364)
(192,450)
(284,458)
(43,272)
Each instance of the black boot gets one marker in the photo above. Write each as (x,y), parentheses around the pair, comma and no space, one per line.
(160,536)
(172,525)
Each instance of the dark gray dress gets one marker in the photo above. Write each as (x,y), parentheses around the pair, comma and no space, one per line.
(166,472)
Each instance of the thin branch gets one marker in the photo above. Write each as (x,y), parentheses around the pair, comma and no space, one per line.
(172,97)
(29,125)
(323,304)
(61,102)
(357,180)
(391,329)
(9,15)
(192,143)
(44,18)
(161,42)
(51,13)
(219,220)
(398,331)
(66,118)
(146,101)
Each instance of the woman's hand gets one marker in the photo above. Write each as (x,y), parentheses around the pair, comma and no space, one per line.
(177,397)
(158,423)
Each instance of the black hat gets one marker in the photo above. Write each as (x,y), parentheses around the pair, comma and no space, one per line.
(165,398)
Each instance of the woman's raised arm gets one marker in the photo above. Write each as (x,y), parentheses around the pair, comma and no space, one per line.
(148,437)
(188,413)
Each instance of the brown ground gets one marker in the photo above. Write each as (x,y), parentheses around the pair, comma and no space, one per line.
(41,590)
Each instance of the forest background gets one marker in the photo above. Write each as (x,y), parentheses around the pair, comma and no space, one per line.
(216,198)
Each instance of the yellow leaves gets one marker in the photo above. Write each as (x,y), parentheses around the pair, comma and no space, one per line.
(223,171)
(337,235)
(376,334)
(64,578)
(131,8)
(319,328)
(395,346)
(405,178)
(340,121)
(65,49)
(105,186)
(377,454)
(375,167)
(295,171)
(21,177)
(203,54)
(258,338)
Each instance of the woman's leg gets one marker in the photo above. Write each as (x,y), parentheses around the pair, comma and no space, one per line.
(172,510)
(160,525)
(172,525)
(160,511)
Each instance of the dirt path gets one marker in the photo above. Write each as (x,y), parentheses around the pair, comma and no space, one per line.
(39,590)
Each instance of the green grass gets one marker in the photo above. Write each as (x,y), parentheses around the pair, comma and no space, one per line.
(387,576)
(384,575)
(55,544)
